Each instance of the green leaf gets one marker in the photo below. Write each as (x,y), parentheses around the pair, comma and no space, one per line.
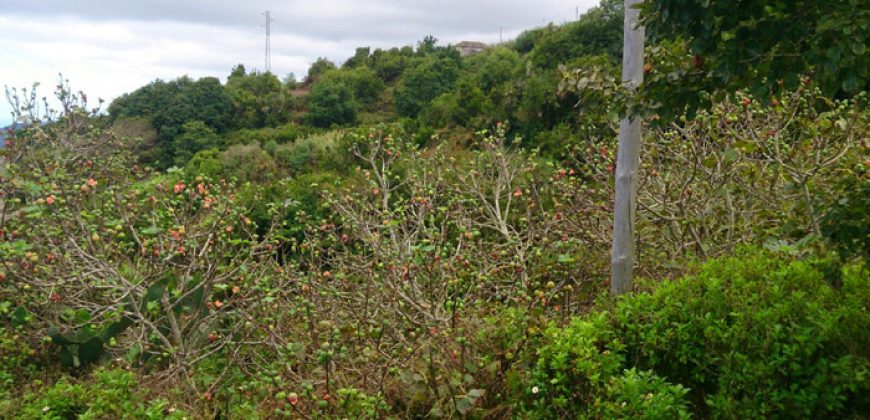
(19,316)
(464,405)
(57,337)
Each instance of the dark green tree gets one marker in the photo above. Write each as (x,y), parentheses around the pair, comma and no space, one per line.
(331,104)
(169,105)
(389,64)
(426,80)
(766,46)
(259,99)
(598,31)
(362,57)
(318,68)
(365,84)
(492,68)
(195,136)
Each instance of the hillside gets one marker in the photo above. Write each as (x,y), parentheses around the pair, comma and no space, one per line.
(414,233)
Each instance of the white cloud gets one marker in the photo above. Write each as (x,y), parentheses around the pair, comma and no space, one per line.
(108,48)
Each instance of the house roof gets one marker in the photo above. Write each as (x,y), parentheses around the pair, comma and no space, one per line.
(471,44)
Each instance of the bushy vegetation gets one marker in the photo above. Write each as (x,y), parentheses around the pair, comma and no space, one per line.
(754,335)
(418,234)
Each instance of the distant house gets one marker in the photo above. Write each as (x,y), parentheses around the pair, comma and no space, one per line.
(467,48)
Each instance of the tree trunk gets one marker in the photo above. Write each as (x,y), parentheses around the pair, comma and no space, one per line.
(628,159)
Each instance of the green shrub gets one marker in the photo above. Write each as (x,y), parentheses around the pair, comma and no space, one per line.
(248,163)
(846,222)
(579,373)
(755,336)
(290,132)
(331,103)
(17,360)
(107,394)
(750,336)
(641,395)
(206,163)
(295,156)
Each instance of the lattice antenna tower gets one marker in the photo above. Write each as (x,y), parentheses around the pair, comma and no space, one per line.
(268,25)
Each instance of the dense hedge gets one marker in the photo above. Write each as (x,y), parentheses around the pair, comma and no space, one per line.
(746,337)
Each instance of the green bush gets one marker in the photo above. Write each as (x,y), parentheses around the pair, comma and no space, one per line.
(846,222)
(755,336)
(331,103)
(248,163)
(749,336)
(579,374)
(206,163)
(641,395)
(294,157)
(425,81)
(18,359)
(195,136)
(107,394)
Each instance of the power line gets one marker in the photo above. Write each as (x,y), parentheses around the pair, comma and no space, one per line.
(268,26)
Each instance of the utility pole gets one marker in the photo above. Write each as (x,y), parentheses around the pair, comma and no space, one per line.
(268,26)
(500,34)
(627,158)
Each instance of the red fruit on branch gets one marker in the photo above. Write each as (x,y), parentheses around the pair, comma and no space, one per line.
(293,398)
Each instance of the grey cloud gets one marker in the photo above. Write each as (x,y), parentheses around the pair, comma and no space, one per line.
(335,20)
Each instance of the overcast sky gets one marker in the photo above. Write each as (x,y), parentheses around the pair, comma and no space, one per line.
(106,48)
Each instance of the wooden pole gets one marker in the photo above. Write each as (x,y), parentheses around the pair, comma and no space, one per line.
(627,159)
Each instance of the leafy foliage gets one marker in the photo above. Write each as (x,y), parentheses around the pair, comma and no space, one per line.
(259,99)
(747,336)
(598,31)
(331,104)
(169,105)
(845,222)
(442,258)
(761,46)
(107,394)
(424,81)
